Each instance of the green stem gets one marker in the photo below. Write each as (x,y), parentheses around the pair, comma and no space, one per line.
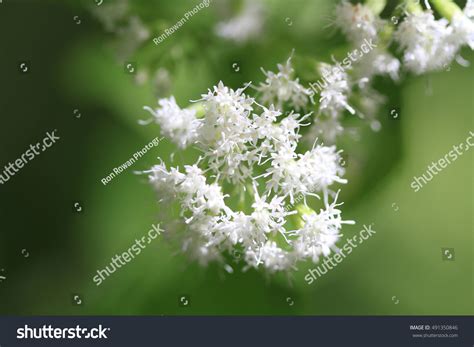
(446,8)
(413,6)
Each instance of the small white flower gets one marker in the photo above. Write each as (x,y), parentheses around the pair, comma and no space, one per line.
(463,29)
(285,173)
(321,167)
(227,115)
(245,26)
(357,22)
(377,62)
(164,181)
(270,256)
(264,124)
(280,88)
(179,125)
(425,42)
(239,228)
(320,232)
(269,217)
(335,91)
(227,131)
(327,129)
(306,174)
(191,188)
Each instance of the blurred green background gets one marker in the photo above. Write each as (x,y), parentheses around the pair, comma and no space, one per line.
(74,66)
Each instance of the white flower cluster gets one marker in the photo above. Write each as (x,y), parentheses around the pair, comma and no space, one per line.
(130,31)
(359,23)
(335,94)
(282,87)
(245,26)
(253,146)
(431,44)
(179,125)
(428,44)
(240,138)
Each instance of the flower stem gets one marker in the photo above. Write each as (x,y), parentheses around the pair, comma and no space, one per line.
(447,8)
(413,6)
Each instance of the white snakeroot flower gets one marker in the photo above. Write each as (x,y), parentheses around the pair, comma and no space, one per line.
(226,112)
(327,129)
(227,131)
(335,91)
(270,256)
(199,197)
(245,26)
(306,174)
(191,188)
(285,135)
(320,232)
(269,217)
(463,27)
(236,135)
(179,125)
(285,173)
(357,22)
(264,124)
(322,167)
(240,229)
(423,39)
(431,44)
(165,182)
(377,62)
(245,144)
(282,87)
(360,24)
